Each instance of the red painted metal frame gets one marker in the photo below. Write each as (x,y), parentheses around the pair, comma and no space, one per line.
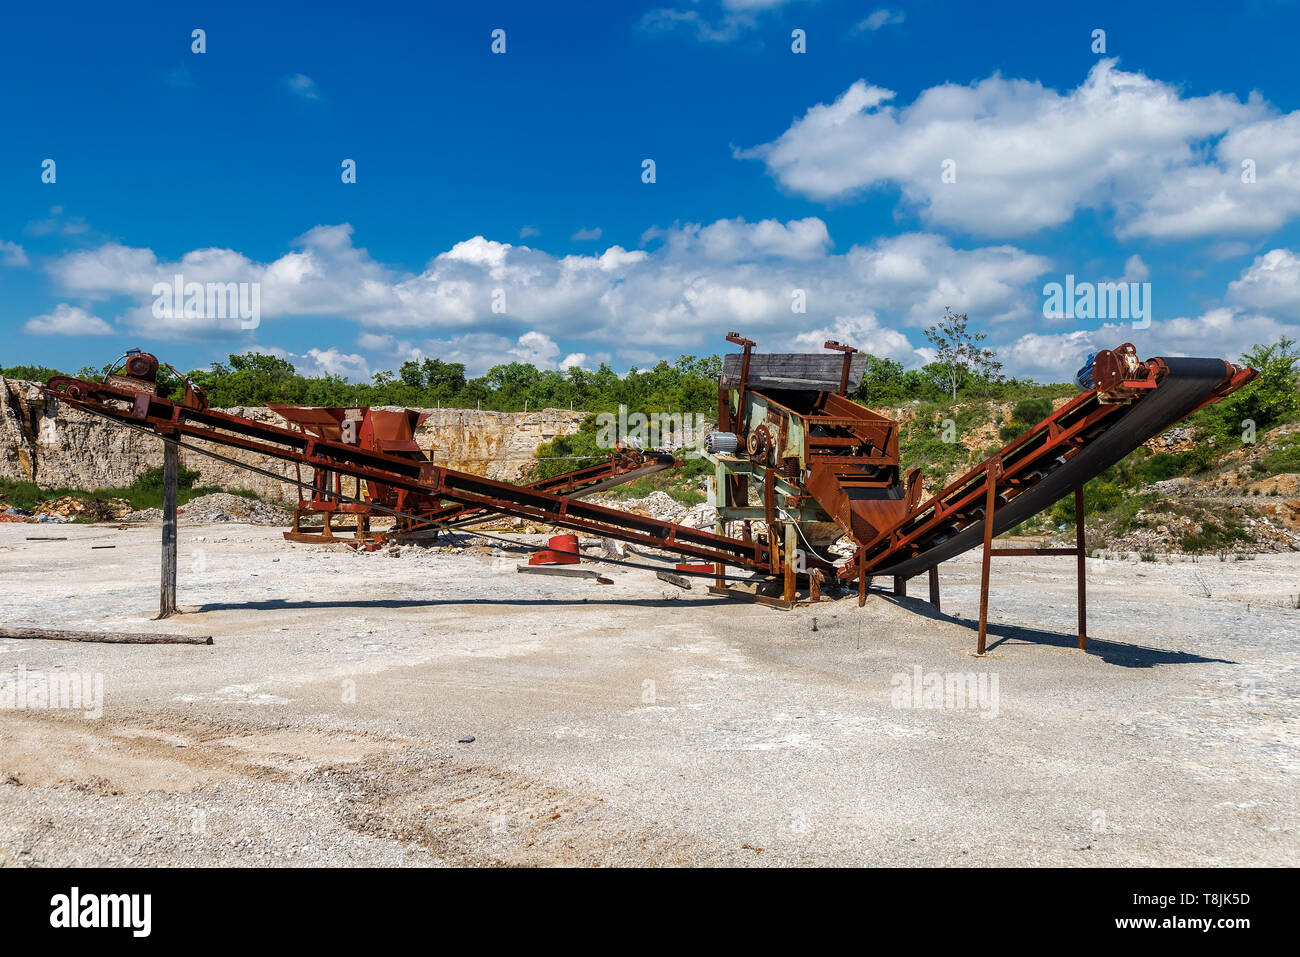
(394,431)
(170,418)
(969,488)
(621,462)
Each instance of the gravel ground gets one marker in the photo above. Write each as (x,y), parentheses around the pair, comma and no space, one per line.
(635,723)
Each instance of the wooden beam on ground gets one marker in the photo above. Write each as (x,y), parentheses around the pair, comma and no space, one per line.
(681,581)
(563,571)
(768,600)
(108,637)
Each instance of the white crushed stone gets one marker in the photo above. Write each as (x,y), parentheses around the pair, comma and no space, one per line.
(218,507)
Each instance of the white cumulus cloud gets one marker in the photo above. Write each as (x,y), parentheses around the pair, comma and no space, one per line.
(1272,281)
(67,320)
(483,298)
(1022,157)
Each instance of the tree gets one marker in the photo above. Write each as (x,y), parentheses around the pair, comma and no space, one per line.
(442,376)
(262,364)
(959,352)
(40,373)
(1272,398)
(411,374)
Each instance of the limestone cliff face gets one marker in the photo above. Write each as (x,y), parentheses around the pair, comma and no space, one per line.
(48,442)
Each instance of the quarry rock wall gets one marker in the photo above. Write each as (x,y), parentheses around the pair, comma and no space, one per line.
(48,442)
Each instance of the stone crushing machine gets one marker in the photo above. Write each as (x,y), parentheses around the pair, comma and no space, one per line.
(797,465)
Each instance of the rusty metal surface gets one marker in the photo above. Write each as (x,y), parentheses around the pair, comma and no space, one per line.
(1075,443)
(815,459)
(406,474)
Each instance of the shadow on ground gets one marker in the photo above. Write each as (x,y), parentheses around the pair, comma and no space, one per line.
(1112,652)
(277,604)
(1123,654)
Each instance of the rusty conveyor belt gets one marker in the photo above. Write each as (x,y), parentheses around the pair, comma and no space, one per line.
(170,419)
(575,484)
(1035,471)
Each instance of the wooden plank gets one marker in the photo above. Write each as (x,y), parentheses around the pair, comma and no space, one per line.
(794,371)
(563,571)
(114,638)
(680,581)
(768,600)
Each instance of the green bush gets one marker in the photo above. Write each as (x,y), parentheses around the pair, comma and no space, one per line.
(1098,496)
(1032,411)
(145,492)
(1215,537)
(40,374)
(568,452)
(1284,458)
(1012,430)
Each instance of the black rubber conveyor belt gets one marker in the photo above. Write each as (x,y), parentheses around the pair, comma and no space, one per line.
(1184,387)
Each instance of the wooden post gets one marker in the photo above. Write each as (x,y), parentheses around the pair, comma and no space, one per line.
(1083,568)
(990,497)
(791,556)
(934,586)
(171,469)
(900,586)
(722,496)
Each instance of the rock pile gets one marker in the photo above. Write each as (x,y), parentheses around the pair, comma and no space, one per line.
(67,507)
(658,505)
(217,508)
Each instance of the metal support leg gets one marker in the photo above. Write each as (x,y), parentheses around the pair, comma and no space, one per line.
(171,471)
(721,490)
(990,499)
(1083,568)
(791,553)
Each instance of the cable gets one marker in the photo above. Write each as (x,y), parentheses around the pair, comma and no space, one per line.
(795,523)
(392,511)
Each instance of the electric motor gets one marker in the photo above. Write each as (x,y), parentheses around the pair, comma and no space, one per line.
(724,443)
(141,365)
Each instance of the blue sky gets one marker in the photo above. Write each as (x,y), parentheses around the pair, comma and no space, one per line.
(499,210)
